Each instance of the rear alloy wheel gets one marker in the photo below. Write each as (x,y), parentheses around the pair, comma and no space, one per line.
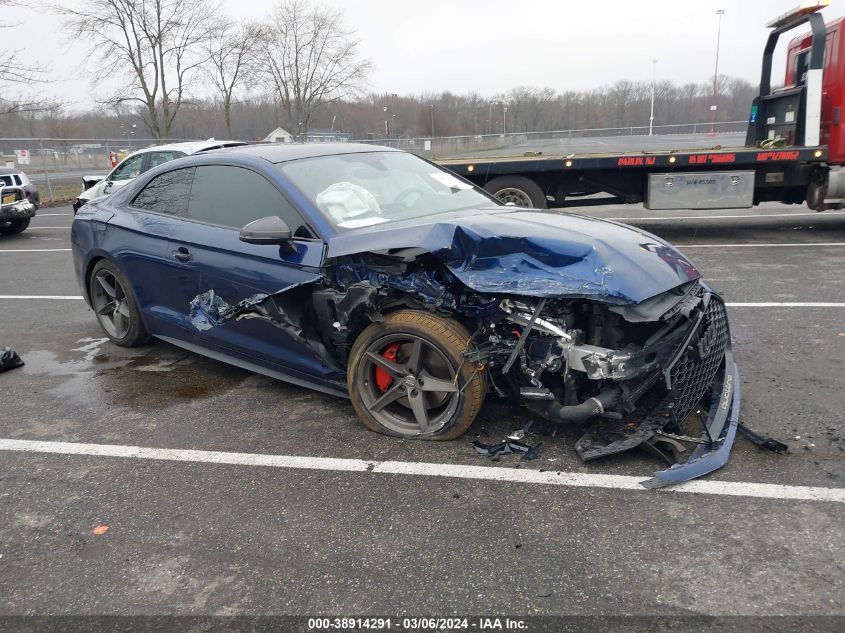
(517,190)
(115,307)
(13,227)
(408,377)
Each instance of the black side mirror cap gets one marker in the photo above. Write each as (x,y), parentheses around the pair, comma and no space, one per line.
(269,230)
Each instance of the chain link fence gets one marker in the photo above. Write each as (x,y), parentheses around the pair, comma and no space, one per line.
(57,165)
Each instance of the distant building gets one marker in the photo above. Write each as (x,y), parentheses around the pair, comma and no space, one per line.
(279,135)
(313,135)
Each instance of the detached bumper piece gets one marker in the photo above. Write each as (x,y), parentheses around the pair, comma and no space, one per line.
(702,369)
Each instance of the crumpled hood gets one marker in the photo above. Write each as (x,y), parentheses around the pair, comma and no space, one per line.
(533,253)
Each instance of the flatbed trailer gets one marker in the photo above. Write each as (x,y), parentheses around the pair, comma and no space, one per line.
(794,150)
(720,177)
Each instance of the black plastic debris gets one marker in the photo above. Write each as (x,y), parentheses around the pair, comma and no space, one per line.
(508,447)
(763,441)
(9,359)
(532,453)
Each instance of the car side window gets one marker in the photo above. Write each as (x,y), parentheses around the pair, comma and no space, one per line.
(167,193)
(235,196)
(128,169)
(159,158)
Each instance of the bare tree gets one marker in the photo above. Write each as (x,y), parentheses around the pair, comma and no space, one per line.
(312,60)
(156,45)
(231,61)
(15,73)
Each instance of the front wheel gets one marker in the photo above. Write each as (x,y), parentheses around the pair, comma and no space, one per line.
(408,377)
(13,227)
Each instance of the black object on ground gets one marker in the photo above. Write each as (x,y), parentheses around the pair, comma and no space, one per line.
(9,359)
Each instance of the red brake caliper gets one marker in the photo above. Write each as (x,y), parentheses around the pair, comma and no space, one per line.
(383,379)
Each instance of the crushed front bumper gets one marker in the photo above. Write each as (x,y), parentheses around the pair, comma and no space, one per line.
(703,365)
(718,432)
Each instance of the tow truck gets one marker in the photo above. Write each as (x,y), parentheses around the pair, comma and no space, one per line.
(794,148)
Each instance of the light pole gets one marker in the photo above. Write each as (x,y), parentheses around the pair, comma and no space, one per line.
(490,119)
(386,122)
(653,83)
(431,109)
(714,105)
(504,120)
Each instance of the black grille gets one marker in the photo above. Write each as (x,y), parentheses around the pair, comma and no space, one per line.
(693,374)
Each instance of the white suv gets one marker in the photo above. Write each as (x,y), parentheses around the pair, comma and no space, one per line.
(138,162)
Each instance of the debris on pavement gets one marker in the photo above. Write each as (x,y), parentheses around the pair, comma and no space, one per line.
(508,447)
(9,359)
(769,443)
(99,530)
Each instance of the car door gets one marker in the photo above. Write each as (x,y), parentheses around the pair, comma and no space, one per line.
(139,238)
(223,200)
(128,170)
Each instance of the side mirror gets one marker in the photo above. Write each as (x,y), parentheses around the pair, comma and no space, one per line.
(269,230)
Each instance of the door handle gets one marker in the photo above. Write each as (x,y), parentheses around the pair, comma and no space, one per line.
(182,254)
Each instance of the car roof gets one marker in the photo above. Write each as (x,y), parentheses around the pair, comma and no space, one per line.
(5,171)
(190,147)
(281,152)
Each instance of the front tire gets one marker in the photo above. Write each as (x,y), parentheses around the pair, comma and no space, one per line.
(115,306)
(13,227)
(408,377)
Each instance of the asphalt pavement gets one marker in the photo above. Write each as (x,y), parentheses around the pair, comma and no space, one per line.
(252,496)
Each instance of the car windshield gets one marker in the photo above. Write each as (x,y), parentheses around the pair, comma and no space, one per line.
(363,189)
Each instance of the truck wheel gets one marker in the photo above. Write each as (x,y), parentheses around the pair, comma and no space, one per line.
(13,227)
(521,191)
(408,377)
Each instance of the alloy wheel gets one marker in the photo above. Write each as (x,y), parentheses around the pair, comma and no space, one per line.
(408,384)
(110,304)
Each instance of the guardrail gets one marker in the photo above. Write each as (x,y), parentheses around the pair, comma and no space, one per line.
(454,146)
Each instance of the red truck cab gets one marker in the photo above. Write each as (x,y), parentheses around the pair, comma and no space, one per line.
(832,128)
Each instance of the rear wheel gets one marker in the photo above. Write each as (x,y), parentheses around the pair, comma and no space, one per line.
(115,306)
(518,190)
(408,377)
(13,227)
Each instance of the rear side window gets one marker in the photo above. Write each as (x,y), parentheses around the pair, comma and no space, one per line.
(167,193)
(159,158)
(234,197)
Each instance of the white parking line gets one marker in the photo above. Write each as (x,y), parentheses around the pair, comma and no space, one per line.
(44,215)
(730,217)
(35,250)
(50,228)
(758,245)
(51,297)
(785,305)
(424,469)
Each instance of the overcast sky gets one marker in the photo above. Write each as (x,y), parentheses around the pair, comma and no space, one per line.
(490,46)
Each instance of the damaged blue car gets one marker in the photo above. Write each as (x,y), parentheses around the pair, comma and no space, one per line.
(373,274)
